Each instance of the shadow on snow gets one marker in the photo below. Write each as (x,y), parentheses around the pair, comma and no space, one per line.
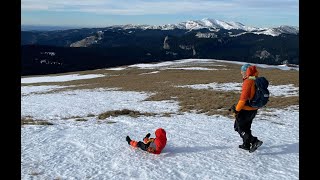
(280,149)
(175,150)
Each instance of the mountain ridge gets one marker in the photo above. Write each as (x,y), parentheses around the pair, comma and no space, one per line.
(78,49)
(208,23)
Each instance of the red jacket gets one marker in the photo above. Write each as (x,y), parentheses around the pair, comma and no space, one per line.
(157,143)
(160,141)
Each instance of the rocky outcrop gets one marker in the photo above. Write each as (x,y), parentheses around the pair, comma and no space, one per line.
(85,42)
(262,54)
(206,35)
(166,43)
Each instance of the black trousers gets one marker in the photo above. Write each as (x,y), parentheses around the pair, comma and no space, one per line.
(242,125)
(143,146)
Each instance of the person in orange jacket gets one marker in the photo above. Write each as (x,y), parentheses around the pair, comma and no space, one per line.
(152,145)
(243,113)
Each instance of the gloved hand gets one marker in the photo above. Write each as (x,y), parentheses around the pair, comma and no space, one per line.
(148,135)
(232,108)
(146,138)
(235,114)
(234,111)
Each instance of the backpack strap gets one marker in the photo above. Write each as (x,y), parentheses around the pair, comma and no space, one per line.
(248,100)
(252,77)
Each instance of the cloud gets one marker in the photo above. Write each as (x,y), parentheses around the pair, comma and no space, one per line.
(34,7)
(149,7)
(268,4)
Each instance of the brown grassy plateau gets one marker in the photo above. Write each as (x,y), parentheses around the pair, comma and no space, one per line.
(163,85)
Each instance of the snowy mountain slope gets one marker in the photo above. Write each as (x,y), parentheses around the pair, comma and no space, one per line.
(279,30)
(195,24)
(215,25)
(199,146)
(226,25)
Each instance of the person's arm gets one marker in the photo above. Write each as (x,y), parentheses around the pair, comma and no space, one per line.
(245,94)
(147,139)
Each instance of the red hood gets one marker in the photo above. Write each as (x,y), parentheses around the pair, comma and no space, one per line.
(252,71)
(161,140)
(161,133)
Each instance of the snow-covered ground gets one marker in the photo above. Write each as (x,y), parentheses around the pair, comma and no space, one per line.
(182,62)
(275,90)
(199,146)
(25,90)
(61,78)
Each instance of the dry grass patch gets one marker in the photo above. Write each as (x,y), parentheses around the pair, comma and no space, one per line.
(106,122)
(110,122)
(201,101)
(166,114)
(282,102)
(72,117)
(81,119)
(90,115)
(123,112)
(163,84)
(29,121)
(35,173)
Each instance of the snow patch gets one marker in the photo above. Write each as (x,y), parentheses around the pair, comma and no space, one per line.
(275,90)
(61,78)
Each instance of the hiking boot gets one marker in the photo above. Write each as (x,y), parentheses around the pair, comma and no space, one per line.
(255,145)
(244,146)
(128,139)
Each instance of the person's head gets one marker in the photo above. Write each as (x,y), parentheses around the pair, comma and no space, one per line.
(160,133)
(244,69)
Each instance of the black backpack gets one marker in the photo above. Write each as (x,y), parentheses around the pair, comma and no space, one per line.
(261,96)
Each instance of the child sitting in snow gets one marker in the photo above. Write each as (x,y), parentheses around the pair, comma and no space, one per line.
(152,145)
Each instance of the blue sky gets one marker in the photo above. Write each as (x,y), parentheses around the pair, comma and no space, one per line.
(101,13)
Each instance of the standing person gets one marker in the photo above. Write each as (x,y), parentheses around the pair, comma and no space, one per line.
(243,113)
(152,145)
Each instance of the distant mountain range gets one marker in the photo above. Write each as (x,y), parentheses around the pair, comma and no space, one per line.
(45,28)
(88,48)
(215,25)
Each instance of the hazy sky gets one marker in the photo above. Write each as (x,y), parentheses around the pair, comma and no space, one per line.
(100,13)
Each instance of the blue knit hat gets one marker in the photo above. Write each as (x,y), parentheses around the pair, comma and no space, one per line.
(245,67)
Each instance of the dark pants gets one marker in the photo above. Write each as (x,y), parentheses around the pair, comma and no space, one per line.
(242,125)
(143,146)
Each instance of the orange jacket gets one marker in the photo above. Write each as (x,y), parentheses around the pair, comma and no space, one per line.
(248,89)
